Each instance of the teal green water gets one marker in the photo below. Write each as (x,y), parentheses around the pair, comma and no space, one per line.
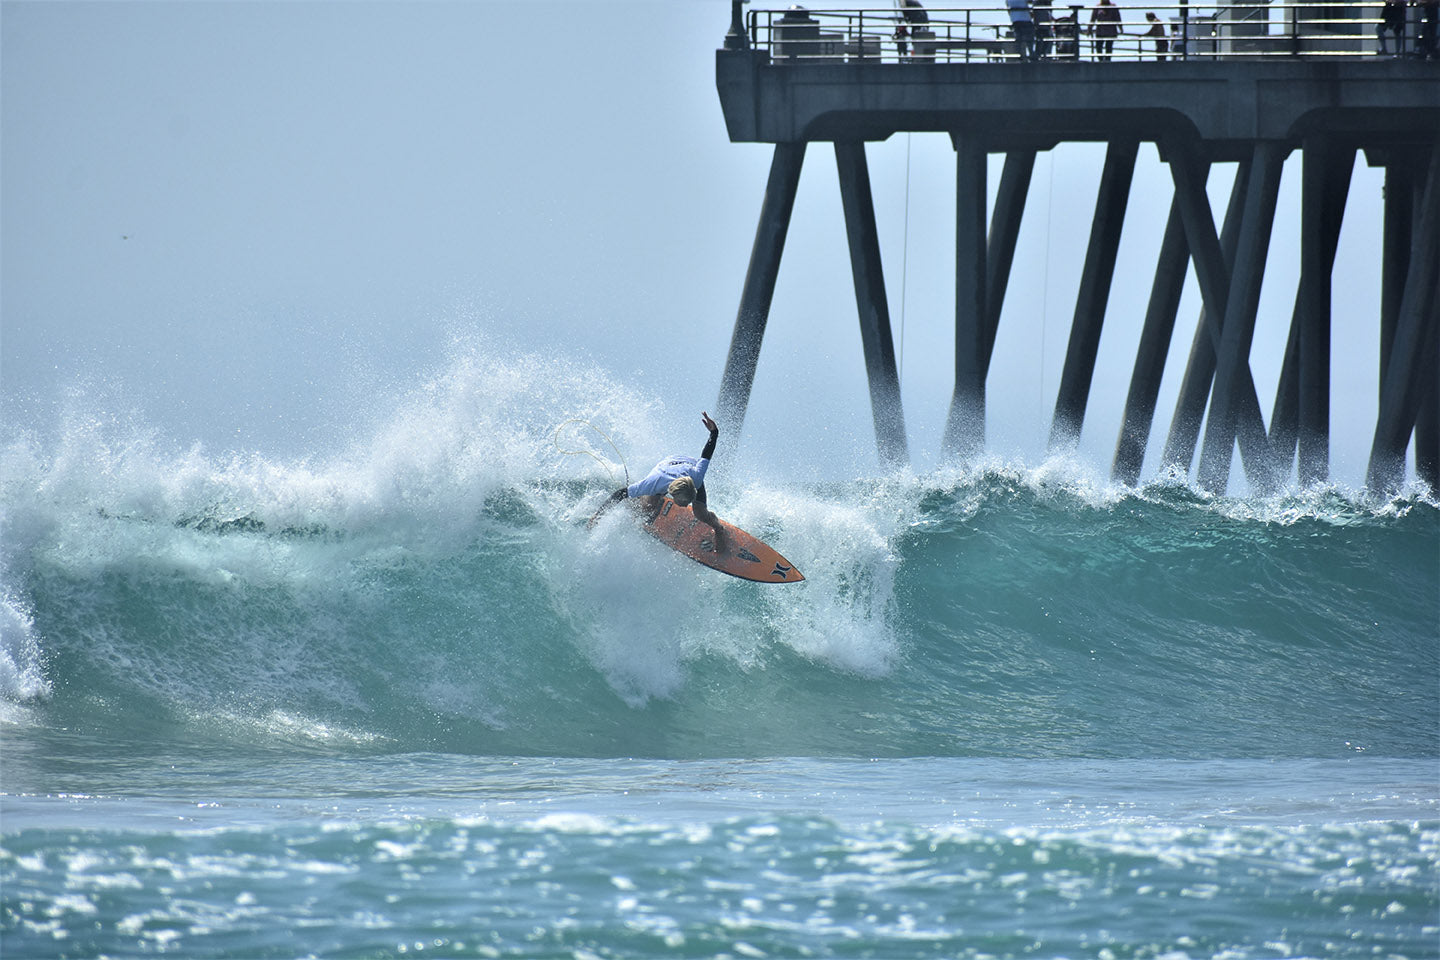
(398,701)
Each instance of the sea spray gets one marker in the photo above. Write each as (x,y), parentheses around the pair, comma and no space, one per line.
(641,614)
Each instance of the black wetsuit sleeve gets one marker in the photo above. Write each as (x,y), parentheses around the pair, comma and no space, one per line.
(709,450)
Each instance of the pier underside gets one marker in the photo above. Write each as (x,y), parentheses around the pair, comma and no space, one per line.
(1255,114)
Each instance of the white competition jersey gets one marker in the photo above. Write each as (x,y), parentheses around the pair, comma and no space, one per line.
(670,469)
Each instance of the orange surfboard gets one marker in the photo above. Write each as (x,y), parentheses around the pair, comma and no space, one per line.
(744,557)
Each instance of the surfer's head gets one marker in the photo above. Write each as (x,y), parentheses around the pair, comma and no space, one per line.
(682,491)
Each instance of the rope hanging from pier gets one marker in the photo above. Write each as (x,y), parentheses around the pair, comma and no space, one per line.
(904,260)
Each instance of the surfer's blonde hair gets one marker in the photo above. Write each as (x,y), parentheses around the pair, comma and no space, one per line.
(682,491)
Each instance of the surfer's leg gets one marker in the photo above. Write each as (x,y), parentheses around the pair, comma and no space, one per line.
(615,498)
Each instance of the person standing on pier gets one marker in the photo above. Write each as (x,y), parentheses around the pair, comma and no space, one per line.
(1157,33)
(1067,35)
(1023,28)
(1392,19)
(1105,27)
(1044,18)
(1429,27)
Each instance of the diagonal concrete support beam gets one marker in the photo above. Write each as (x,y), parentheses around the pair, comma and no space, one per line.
(1004,233)
(1233,387)
(1427,420)
(1213,273)
(1184,436)
(759,289)
(1412,369)
(1152,351)
(875,333)
(1095,280)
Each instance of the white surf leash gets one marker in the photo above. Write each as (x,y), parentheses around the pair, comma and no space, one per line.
(609,467)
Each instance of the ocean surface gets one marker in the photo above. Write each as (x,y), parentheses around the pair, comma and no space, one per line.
(394,700)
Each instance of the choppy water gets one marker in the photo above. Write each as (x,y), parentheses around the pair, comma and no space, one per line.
(396,700)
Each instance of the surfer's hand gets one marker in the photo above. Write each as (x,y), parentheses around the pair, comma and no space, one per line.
(709,424)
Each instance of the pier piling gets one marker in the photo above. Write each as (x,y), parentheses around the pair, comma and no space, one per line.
(1302,82)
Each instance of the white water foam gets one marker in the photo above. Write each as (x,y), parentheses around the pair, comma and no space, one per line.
(111,495)
(642,613)
(22,675)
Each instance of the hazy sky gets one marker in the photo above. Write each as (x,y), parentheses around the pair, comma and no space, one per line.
(241,217)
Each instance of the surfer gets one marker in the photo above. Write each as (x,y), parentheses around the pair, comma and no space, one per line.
(682,478)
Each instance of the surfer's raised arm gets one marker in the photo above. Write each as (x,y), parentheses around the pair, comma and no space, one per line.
(710,425)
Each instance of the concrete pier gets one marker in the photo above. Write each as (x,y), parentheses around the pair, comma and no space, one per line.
(1253,98)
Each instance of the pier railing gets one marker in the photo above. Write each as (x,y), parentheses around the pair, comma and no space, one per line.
(1067,32)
